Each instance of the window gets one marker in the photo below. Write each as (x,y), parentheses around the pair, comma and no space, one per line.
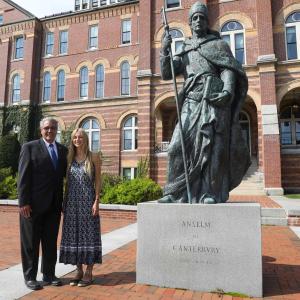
(1,19)
(290,125)
(126,31)
(85,4)
(125,79)
(16,89)
(292,25)
(61,85)
(130,133)
(93,36)
(129,173)
(47,87)
(94,3)
(99,81)
(172,3)
(49,43)
(233,33)
(19,47)
(177,40)
(58,134)
(63,42)
(84,82)
(77,5)
(92,128)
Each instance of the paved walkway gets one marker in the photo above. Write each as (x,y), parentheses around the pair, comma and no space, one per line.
(115,278)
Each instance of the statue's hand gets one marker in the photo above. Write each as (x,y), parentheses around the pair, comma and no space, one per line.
(220,99)
(166,44)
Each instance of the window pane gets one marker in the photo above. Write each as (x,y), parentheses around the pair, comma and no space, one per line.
(86,124)
(95,124)
(47,87)
(84,82)
(127,145)
(295,17)
(291,42)
(226,38)
(126,31)
(232,26)
(178,46)
(63,40)
(176,33)
(173,3)
(61,86)
(286,133)
(128,123)
(93,43)
(99,81)
(127,173)
(19,47)
(128,134)
(95,140)
(16,89)
(1,19)
(49,43)
(297,132)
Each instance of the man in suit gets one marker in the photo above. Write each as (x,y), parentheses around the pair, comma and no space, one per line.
(42,167)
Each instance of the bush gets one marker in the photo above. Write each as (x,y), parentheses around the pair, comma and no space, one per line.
(9,152)
(109,181)
(8,188)
(132,192)
(5,172)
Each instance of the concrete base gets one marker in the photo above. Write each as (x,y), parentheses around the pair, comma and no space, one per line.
(200,247)
(274,191)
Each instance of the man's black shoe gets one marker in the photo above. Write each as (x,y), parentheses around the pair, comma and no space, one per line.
(53,280)
(33,285)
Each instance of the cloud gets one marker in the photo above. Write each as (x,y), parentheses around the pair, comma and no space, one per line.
(46,8)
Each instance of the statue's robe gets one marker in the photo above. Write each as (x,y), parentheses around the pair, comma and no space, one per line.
(217,154)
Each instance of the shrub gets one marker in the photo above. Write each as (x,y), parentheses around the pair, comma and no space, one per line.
(8,188)
(5,172)
(9,152)
(109,181)
(143,167)
(132,192)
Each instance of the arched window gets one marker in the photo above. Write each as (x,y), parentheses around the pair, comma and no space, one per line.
(16,89)
(290,125)
(292,32)
(125,79)
(84,82)
(92,128)
(177,40)
(233,33)
(61,85)
(99,91)
(130,133)
(47,87)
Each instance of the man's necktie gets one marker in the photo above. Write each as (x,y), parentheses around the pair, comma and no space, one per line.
(53,155)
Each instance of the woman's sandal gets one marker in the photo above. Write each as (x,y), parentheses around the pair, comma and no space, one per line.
(77,279)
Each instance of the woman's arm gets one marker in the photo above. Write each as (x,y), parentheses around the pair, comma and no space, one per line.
(97,165)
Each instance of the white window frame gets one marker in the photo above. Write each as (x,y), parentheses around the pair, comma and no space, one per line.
(58,85)
(15,48)
(17,89)
(297,26)
(46,43)
(96,37)
(90,131)
(171,8)
(87,82)
(43,96)
(232,38)
(122,41)
(97,81)
(134,128)
(132,171)
(66,42)
(121,78)
(175,40)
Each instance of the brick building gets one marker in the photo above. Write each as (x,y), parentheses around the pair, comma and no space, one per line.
(98,67)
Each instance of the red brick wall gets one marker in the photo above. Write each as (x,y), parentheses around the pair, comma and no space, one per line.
(290,167)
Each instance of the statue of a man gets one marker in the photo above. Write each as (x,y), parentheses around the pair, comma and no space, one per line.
(210,101)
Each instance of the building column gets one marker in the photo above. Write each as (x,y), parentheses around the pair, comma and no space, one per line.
(146,117)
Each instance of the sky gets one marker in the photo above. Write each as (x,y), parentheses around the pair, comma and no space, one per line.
(46,7)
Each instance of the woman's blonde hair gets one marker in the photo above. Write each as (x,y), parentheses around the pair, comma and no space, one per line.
(88,165)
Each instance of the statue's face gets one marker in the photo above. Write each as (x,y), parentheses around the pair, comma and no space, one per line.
(199,23)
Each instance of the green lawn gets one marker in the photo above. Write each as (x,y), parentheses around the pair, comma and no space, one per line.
(293,196)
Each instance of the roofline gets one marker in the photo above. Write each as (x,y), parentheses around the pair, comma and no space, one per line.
(23,10)
(74,13)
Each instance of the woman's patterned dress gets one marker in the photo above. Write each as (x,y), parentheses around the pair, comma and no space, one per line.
(81,237)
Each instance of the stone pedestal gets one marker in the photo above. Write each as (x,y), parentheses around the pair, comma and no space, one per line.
(200,247)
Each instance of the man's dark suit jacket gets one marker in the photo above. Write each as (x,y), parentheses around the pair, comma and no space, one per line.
(40,185)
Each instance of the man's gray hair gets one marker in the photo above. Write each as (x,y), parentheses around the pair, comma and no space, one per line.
(50,120)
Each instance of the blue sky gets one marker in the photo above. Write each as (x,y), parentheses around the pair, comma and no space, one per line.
(45,7)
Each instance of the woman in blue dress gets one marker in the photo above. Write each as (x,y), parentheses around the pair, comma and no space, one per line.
(81,237)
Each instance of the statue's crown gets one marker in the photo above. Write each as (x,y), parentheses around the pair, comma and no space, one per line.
(199,8)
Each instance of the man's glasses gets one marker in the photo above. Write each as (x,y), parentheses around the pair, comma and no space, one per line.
(47,128)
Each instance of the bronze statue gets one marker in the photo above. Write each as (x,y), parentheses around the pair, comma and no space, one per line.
(214,91)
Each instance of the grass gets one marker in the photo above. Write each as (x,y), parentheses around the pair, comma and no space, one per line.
(233,294)
(293,196)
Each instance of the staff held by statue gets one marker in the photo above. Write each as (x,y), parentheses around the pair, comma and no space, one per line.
(167,32)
